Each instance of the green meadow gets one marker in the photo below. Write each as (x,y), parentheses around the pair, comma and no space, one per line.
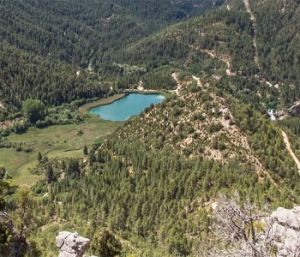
(54,141)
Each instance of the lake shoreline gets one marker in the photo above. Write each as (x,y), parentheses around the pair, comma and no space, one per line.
(102,101)
(124,106)
(111,99)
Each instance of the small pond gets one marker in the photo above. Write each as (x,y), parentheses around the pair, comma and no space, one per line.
(126,107)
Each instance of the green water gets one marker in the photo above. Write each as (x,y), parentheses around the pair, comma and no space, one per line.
(126,107)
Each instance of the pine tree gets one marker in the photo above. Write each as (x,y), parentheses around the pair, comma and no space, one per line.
(50,174)
(105,244)
(39,157)
(85,150)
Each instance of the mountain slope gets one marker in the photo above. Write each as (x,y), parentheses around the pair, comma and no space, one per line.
(154,181)
(75,35)
(259,59)
(24,76)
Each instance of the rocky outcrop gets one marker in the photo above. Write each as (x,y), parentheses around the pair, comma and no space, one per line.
(71,244)
(251,233)
(295,109)
(285,231)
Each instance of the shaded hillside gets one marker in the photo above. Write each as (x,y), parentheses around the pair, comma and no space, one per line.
(77,31)
(226,33)
(90,35)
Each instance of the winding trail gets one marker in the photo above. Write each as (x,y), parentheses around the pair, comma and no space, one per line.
(179,86)
(223,59)
(253,19)
(197,79)
(289,148)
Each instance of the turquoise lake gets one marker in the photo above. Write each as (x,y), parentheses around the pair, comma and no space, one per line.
(126,107)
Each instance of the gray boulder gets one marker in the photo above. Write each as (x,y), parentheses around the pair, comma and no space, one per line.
(285,231)
(71,244)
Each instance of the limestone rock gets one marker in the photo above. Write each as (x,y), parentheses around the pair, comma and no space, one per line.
(285,231)
(295,109)
(71,244)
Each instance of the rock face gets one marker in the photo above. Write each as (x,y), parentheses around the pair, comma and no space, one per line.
(285,231)
(71,244)
(295,109)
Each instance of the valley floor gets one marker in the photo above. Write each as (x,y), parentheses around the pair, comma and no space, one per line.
(55,141)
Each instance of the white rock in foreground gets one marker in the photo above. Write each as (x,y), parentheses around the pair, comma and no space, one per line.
(285,231)
(71,244)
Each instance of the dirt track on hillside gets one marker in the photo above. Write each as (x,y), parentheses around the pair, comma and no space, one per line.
(289,148)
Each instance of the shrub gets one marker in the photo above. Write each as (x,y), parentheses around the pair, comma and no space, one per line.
(19,127)
(34,110)
(215,127)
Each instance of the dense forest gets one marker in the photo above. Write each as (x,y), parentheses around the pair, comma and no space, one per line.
(44,44)
(60,40)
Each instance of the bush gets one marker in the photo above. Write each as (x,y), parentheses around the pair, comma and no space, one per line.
(19,127)
(34,110)
(106,244)
(215,127)
(43,123)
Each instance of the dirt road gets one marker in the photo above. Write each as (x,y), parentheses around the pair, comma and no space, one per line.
(289,148)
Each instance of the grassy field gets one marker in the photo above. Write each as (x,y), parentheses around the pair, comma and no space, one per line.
(55,141)
(103,101)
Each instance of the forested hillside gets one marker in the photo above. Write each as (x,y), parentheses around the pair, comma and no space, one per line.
(154,181)
(59,39)
(278,36)
(24,75)
(226,36)
(118,42)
